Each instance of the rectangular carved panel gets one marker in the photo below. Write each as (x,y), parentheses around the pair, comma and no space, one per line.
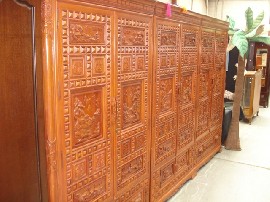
(133,36)
(86,113)
(83,32)
(92,191)
(85,47)
(203,117)
(133,105)
(166,94)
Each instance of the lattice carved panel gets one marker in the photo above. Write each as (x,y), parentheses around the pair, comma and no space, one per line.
(85,48)
(217,110)
(132,98)
(218,82)
(221,40)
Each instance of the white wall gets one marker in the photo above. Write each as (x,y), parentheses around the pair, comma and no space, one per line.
(236,9)
(197,6)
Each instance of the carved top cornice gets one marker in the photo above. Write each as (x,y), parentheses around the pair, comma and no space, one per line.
(138,6)
(153,7)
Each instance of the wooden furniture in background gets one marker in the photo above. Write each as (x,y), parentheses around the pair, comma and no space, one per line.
(259,58)
(133,101)
(22,157)
(251,94)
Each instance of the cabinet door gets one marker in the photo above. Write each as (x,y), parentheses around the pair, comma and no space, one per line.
(164,107)
(218,79)
(85,68)
(133,94)
(187,87)
(205,82)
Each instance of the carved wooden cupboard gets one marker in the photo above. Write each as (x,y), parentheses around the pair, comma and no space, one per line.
(133,100)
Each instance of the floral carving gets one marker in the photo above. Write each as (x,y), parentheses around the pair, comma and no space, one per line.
(86,117)
(46,13)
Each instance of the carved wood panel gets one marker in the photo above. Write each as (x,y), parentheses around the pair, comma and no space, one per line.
(132,156)
(218,78)
(190,37)
(164,99)
(205,81)
(85,36)
(206,145)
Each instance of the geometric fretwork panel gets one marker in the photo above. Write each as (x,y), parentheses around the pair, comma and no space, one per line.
(133,67)
(86,79)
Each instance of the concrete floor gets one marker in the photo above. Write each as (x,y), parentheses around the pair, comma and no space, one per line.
(235,176)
